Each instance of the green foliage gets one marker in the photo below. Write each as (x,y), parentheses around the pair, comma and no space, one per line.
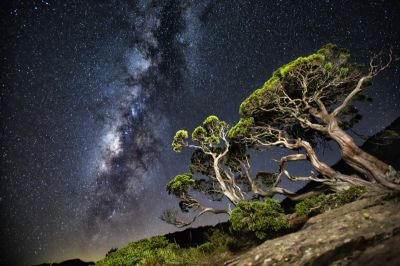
(223,241)
(344,71)
(207,134)
(310,205)
(260,96)
(324,202)
(142,253)
(326,76)
(346,196)
(180,183)
(199,134)
(111,251)
(212,139)
(220,239)
(159,251)
(211,120)
(241,128)
(214,127)
(206,247)
(179,140)
(328,66)
(313,59)
(257,97)
(207,140)
(258,217)
(328,49)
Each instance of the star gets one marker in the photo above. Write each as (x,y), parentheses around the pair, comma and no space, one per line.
(92,93)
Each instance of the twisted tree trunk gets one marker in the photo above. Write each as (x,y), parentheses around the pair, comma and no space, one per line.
(336,180)
(228,191)
(371,167)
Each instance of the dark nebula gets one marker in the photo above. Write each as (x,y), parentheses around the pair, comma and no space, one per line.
(93,91)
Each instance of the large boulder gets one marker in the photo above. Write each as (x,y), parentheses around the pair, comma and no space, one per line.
(365,232)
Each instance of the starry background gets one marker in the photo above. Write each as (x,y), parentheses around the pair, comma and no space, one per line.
(93,91)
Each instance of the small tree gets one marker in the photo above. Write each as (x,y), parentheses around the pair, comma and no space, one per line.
(218,169)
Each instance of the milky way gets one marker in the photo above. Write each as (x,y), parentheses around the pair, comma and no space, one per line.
(129,161)
(93,91)
(130,138)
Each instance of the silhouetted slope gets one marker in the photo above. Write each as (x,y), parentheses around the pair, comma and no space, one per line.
(195,236)
(73,262)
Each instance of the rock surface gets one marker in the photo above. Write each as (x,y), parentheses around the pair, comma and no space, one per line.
(365,232)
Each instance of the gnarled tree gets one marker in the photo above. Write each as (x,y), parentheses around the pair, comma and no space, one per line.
(310,99)
(305,102)
(218,169)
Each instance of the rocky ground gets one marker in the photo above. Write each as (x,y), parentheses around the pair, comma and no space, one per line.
(365,232)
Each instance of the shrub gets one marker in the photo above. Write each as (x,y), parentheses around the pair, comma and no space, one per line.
(219,238)
(153,251)
(159,251)
(258,217)
(310,205)
(111,251)
(206,247)
(324,202)
(349,195)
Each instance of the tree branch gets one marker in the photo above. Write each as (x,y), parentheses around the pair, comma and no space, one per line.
(349,98)
(171,216)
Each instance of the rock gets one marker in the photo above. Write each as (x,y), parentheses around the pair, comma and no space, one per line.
(365,232)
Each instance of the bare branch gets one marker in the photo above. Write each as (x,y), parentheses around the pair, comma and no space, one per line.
(376,65)
(171,216)
(349,98)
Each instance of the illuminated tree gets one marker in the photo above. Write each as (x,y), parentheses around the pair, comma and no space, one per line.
(218,169)
(305,103)
(311,99)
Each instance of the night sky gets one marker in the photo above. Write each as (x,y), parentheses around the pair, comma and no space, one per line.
(93,91)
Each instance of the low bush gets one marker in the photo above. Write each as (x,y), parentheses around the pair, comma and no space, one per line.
(310,205)
(159,251)
(258,217)
(322,202)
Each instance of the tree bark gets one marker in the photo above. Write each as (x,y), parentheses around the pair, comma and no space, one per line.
(339,181)
(225,190)
(335,180)
(371,167)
